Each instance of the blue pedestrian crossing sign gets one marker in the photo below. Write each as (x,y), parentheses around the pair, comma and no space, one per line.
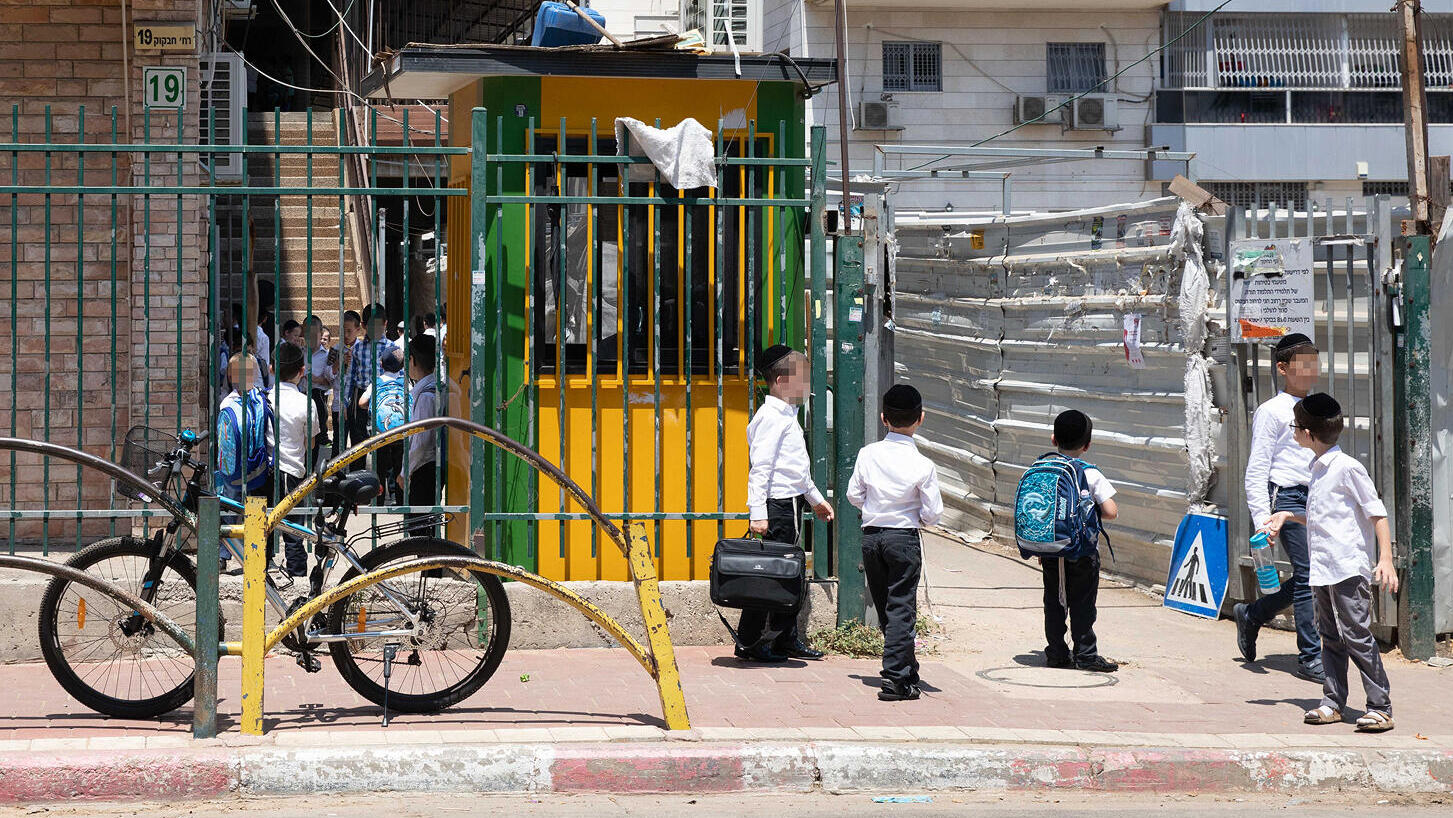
(1196,583)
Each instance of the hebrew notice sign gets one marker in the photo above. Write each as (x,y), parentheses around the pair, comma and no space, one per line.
(1271,289)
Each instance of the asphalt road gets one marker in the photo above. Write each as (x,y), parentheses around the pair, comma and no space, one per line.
(1028,805)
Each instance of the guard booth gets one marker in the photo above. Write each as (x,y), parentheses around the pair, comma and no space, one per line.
(613,320)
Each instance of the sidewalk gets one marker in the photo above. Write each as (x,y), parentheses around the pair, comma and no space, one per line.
(1182,713)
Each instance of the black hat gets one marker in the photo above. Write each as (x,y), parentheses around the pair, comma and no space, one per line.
(771,355)
(1293,340)
(902,398)
(1321,405)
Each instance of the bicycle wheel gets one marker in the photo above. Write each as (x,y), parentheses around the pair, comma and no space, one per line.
(106,656)
(463,634)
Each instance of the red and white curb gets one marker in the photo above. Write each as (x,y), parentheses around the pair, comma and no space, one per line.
(702,767)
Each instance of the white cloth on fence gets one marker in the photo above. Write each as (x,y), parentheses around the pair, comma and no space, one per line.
(684,154)
(1194,304)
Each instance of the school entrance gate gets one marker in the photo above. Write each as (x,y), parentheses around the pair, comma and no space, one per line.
(598,315)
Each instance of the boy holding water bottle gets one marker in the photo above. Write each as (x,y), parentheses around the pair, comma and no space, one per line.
(1344,520)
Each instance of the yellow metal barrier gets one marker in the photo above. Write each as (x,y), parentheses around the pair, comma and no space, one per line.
(658,657)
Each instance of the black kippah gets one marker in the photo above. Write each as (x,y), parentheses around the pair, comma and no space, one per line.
(902,398)
(1321,405)
(772,355)
(1292,341)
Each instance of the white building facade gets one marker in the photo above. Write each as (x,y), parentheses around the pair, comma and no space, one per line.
(1280,100)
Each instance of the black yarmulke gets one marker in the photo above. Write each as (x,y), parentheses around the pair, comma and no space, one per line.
(902,398)
(1292,341)
(772,355)
(1321,405)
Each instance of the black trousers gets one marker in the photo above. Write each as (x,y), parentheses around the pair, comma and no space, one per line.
(320,434)
(892,565)
(423,491)
(1081,586)
(774,629)
(295,556)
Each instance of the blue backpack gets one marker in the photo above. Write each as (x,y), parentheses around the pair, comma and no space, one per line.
(1054,512)
(388,404)
(257,459)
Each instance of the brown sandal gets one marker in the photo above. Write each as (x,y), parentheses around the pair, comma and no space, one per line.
(1374,721)
(1322,714)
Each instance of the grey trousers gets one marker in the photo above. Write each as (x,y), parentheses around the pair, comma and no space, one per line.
(1344,618)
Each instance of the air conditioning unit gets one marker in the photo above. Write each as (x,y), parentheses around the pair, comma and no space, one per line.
(1094,112)
(1030,109)
(878,116)
(722,22)
(223,89)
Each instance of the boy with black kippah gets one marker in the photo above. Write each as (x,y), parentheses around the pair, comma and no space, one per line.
(1344,518)
(779,480)
(1277,471)
(897,489)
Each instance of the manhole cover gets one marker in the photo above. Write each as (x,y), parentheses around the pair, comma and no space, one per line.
(1046,677)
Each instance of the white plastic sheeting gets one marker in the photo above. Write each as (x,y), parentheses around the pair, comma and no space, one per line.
(1194,302)
(1002,336)
(1440,383)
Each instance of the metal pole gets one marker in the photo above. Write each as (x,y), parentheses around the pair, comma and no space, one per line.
(840,28)
(254,627)
(1415,107)
(1414,473)
(204,679)
(849,299)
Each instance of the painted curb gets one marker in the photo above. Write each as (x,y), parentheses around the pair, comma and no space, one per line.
(705,767)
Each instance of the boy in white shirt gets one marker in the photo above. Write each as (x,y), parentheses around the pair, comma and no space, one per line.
(779,480)
(1277,471)
(296,413)
(1344,518)
(897,489)
(1072,585)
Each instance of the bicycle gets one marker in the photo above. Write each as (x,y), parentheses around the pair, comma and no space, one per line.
(443,633)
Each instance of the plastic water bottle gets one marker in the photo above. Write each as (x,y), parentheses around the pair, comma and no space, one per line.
(1266,575)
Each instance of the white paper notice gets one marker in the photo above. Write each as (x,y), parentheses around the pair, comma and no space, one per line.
(1132,341)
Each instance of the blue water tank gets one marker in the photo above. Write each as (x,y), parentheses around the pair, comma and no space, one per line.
(557,24)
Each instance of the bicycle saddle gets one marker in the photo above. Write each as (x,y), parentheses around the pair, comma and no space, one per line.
(355,487)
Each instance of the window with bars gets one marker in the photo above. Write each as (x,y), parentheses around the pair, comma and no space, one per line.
(1253,194)
(1074,68)
(912,66)
(1298,51)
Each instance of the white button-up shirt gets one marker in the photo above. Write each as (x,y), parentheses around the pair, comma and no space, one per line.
(1341,505)
(895,485)
(1275,456)
(321,372)
(777,450)
(293,412)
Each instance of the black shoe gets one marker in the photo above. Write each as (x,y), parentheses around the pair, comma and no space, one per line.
(760,654)
(1312,671)
(897,692)
(1058,662)
(1099,664)
(1245,632)
(801,650)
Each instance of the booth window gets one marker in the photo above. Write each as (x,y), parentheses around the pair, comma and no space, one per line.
(619,294)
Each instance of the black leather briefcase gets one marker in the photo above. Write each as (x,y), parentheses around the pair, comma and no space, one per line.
(753,573)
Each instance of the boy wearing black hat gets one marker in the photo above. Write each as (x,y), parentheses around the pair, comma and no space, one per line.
(1277,473)
(779,480)
(897,489)
(1344,521)
(1071,586)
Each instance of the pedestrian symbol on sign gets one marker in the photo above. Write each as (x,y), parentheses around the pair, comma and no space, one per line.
(1196,582)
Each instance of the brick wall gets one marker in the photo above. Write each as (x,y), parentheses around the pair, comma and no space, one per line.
(117,285)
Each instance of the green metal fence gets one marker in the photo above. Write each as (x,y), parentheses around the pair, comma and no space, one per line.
(124,273)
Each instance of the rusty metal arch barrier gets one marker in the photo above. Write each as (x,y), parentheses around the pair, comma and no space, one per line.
(658,657)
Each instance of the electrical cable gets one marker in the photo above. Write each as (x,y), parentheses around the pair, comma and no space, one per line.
(1091,89)
(333,27)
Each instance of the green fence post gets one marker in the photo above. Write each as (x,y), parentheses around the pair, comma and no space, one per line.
(1412,359)
(479,377)
(817,414)
(847,414)
(204,679)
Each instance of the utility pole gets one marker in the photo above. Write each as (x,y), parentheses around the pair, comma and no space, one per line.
(1412,353)
(1415,109)
(841,25)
